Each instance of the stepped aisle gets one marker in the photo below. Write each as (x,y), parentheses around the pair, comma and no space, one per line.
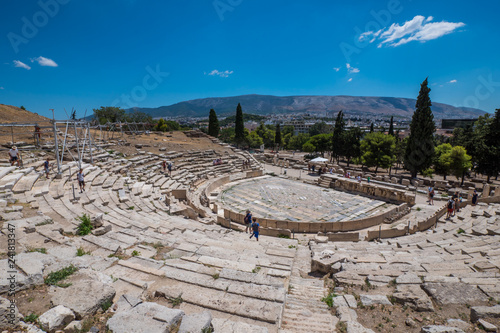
(304,311)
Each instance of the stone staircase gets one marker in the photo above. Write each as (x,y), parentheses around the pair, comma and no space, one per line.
(304,311)
(324,182)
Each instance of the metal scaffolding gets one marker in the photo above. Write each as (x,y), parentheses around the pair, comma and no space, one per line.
(74,135)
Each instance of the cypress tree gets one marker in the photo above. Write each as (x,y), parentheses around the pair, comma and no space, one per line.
(489,153)
(338,146)
(420,147)
(213,124)
(277,136)
(391,127)
(372,129)
(239,127)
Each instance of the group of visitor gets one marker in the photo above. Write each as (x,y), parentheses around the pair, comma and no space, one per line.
(218,161)
(453,205)
(321,169)
(251,225)
(246,164)
(167,166)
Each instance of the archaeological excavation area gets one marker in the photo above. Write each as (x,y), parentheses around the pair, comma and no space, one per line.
(168,252)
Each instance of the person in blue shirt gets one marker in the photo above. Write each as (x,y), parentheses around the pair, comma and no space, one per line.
(255,229)
(248,221)
(46,167)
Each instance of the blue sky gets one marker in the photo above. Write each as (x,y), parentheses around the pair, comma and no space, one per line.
(65,54)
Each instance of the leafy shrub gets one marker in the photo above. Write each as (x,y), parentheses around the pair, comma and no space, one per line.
(85,226)
(329,299)
(80,252)
(106,305)
(53,278)
(31,318)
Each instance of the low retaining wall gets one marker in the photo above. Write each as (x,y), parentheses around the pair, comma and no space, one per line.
(423,225)
(274,232)
(369,189)
(386,233)
(315,227)
(343,237)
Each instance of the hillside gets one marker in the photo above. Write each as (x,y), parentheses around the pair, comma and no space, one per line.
(13,114)
(265,104)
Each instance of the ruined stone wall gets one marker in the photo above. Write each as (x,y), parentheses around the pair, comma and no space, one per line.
(370,189)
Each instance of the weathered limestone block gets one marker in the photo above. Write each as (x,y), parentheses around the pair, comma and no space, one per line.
(56,318)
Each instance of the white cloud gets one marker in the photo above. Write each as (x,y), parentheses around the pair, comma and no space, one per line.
(336,69)
(42,61)
(452,81)
(221,74)
(20,64)
(2,88)
(417,29)
(349,80)
(351,69)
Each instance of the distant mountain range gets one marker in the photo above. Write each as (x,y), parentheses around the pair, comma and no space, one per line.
(265,104)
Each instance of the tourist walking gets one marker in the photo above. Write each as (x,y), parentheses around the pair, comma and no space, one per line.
(450,207)
(255,229)
(164,166)
(170,169)
(474,198)
(81,180)
(46,167)
(456,208)
(14,157)
(458,202)
(248,221)
(431,197)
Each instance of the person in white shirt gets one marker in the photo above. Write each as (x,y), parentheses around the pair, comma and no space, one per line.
(81,181)
(14,156)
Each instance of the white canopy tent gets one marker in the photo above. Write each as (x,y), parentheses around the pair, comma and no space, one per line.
(319,160)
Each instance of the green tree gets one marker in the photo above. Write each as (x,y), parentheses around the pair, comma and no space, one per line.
(139,117)
(254,140)
(266,134)
(166,125)
(172,125)
(213,124)
(352,142)
(420,147)
(319,128)
(239,126)
(489,148)
(377,150)
(288,130)
(308,147)
(109,114)
(372,128)
(464,137)
(400,149)
(286,140)
(321,142)
(442,160)
(22,107)
(297,142)
(391,127)
(338,144)
(277,136)
(227,135)
(460,162)
(161,126)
